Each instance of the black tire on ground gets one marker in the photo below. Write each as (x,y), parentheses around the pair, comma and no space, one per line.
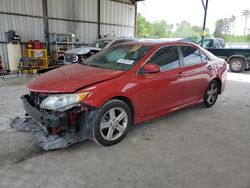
(111,122)
(237,65)
(211,94)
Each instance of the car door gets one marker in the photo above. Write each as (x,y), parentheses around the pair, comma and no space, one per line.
(163,90)
(197,71)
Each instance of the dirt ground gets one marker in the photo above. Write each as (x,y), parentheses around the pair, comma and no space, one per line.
(194,147)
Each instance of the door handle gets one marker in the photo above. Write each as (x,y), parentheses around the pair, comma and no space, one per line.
(180,75)
(209,67)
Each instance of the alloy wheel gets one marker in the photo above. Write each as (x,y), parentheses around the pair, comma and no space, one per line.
(212,93)
(113,123)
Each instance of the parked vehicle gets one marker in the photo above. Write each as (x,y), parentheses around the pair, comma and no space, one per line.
(213,43)
(80,54)
(237,58)
(101,97)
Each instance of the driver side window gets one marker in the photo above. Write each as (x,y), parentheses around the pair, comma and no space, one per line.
(167,58)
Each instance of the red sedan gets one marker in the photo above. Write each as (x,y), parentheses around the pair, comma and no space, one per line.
(127,84)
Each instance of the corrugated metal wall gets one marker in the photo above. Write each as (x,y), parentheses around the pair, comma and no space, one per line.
(84,12)
(117,13)
(26,27)
(73,9)
(117,18)
(31,7)
(65,16)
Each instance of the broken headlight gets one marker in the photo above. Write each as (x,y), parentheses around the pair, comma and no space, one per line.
(63,102)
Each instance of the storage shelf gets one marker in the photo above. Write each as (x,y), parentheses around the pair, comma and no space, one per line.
(58,41)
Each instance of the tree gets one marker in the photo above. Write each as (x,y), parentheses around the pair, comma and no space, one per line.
(222,26)
(184,29)
(160,29)
(232,21)
(143,26)
(246,14)
(157,29)
(198,30)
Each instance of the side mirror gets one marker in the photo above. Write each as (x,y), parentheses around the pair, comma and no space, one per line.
(151,68)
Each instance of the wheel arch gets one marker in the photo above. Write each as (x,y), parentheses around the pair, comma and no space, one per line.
(128,102)
(218,80)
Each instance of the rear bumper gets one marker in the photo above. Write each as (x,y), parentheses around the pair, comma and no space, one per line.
(44,118)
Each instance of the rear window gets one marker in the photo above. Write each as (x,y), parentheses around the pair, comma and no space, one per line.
(100,43)
(191,55)
(167,58)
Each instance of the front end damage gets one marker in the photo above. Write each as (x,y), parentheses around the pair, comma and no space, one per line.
(57,129)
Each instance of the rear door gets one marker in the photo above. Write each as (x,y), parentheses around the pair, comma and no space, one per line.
(163,90)
(197,71)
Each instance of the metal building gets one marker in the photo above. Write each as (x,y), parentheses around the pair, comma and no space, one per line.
(87,19)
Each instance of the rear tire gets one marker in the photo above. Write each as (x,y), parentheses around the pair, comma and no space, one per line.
(111,122)
(237,65)
(211,94)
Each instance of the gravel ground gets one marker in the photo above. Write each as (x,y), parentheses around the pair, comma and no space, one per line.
(194,147)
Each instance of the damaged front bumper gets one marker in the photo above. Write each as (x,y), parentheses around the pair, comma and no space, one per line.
(59,130)
(45,119)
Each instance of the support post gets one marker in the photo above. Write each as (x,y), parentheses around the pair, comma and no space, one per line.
(99,18)
(46,26)
(135,24)
(204,21)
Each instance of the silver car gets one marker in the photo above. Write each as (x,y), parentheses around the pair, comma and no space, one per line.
(82,53)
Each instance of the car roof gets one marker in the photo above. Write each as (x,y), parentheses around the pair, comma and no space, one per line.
(117,38)
(159,43)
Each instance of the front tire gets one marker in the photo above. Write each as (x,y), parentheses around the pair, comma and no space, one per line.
(211,94)
(111,122)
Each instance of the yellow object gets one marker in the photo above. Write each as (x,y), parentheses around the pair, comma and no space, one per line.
(82,96)
(203,33)
(40,54)
(135,48)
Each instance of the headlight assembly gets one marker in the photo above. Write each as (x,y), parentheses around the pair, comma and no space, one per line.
(63,102)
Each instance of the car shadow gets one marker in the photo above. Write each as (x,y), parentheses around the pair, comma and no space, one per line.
(173,115)
(134,131)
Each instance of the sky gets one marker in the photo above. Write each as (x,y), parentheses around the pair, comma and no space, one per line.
(175,11)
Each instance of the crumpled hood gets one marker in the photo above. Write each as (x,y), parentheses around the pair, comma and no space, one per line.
(82,50)
(70,78)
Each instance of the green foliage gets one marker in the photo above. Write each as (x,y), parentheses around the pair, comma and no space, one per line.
(233,38)
(222,27)
(246,14)
(184,29)
(161,29)
(157,29)
(143,26)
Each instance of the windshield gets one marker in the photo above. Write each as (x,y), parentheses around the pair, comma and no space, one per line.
(122,57)
(100,43)
(206,43)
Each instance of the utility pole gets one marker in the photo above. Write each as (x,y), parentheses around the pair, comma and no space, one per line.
(204,21)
